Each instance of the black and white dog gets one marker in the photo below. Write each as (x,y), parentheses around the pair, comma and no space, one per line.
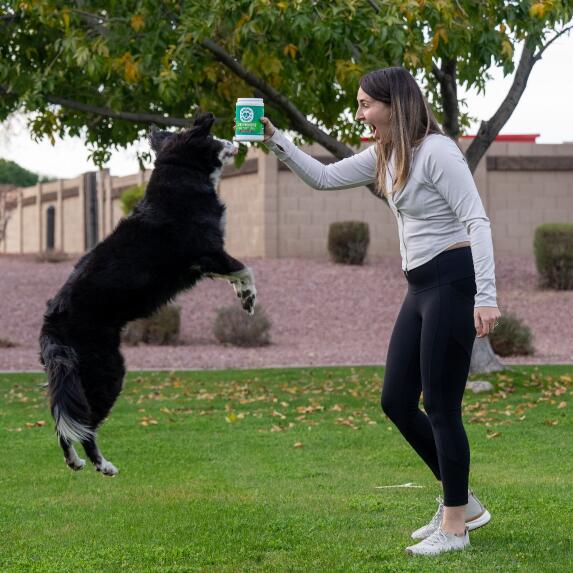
(173,238)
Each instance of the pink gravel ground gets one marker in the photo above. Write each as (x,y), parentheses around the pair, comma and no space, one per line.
(321,313)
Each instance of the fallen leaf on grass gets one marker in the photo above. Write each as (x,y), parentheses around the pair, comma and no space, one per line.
(37,424)
(231,417)
(347,422)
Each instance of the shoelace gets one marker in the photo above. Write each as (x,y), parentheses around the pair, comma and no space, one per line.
(439,537)
(437,519)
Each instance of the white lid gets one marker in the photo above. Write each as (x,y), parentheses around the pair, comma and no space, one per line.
(250,101)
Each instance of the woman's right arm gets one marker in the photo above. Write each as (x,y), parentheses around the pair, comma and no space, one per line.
(354,171)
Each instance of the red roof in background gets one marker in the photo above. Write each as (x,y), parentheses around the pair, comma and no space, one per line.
(518,137)
(523,137)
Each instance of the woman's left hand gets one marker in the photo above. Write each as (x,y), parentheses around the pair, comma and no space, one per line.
(485,319)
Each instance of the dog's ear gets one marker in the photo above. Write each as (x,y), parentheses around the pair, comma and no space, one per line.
(157,138)
(203,123)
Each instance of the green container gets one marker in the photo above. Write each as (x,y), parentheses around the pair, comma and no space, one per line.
(248,125)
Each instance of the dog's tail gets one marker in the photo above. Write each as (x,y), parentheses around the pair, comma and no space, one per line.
(68,402)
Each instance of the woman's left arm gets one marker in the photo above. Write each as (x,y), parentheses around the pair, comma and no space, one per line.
(448,170)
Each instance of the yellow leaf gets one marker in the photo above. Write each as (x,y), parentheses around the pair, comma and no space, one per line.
(282,5)
(537,10)
(290,50)
(411,58)
(562,405)
(493,435)
(298,445)
(507,49)
(231,417)
(137,22)
(130,68)
(565,378)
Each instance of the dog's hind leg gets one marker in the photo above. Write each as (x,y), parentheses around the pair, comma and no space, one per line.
(97,459)
(103,378)
(70,455)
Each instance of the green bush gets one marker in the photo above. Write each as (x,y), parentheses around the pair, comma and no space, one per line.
(131,197)
(348,242)
(511,337)
(553,249)
(234,326)
(161,328)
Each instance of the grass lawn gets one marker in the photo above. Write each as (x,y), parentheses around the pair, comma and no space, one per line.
(276,471)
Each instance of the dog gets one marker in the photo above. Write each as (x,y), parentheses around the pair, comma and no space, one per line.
(173,239)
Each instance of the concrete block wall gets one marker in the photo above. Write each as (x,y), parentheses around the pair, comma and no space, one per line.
(272,214)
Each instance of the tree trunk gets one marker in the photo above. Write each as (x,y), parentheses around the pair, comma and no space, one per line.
(484,359)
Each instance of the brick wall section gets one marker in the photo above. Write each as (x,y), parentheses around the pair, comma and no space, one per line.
(272,214)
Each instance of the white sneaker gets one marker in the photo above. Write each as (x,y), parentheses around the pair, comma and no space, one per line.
(439,542)
(476,516)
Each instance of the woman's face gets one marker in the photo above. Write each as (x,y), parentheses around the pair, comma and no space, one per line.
(374,113)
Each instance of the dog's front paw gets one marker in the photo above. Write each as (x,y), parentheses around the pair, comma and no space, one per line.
(248,300)
(244,286)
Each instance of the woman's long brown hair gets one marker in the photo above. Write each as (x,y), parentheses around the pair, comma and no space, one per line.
(411,120)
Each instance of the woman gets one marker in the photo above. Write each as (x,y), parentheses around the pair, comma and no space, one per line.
(451,281)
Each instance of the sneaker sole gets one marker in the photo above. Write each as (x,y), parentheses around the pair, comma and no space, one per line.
(480,521)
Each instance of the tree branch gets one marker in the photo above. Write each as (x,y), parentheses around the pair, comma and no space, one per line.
(543,48)
(488,130)
(107,112)
(298,121)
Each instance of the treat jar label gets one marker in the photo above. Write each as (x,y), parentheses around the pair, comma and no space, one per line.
(248,125)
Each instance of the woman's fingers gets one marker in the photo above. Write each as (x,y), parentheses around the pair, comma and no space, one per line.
(269,127)
(478,324)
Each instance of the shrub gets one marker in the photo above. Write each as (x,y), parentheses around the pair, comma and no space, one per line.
(51,256)
(161,328)
(511,337)
(131,197)
(553,249)
(234,326)
(348,242)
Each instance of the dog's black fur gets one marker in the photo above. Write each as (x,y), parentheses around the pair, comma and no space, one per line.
(173,238)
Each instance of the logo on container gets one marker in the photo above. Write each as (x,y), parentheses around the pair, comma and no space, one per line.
(246,114)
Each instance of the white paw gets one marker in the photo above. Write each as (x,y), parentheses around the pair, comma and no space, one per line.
(107,468)
(244,285)
(76,464)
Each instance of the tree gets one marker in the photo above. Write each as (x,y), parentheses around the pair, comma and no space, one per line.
(109,68)
(12,174)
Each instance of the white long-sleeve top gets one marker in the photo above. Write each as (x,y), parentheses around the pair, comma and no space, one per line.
(439,205)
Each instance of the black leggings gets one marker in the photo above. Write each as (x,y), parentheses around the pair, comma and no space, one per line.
(430,352)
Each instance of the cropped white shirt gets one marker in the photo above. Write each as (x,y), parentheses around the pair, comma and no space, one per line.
(439,205)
